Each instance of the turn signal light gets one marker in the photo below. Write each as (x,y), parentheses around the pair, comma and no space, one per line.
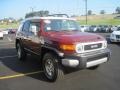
(67,47)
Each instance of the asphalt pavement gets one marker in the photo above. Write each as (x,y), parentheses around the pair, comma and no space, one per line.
(16,75)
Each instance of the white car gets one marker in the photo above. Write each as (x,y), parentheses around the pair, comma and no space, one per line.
(5,32)
(114,28)
(115,36)
(1,35)
(84,28)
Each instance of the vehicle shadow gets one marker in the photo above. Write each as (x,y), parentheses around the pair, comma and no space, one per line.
(118,44)
(31,65)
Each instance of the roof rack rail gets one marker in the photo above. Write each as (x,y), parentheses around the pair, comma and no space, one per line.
(59,15)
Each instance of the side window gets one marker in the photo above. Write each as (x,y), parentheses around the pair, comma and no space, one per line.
(34,28)
(26,26)
(20,27)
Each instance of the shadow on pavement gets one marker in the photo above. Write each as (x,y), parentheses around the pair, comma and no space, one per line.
(32,64)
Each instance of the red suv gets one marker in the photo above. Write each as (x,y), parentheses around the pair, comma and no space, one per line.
(58,42)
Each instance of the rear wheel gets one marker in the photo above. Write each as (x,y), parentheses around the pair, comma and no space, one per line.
(1,38)
(111,41)
(52,70)
(20,52)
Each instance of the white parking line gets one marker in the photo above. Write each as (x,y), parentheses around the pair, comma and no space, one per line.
(3,41)
(8,56)
(7,44)
(9,39)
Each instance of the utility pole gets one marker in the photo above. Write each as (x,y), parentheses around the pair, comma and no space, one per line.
(86,10)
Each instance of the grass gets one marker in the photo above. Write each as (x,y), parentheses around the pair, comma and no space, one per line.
(10,25)
(107,19)
(101,22)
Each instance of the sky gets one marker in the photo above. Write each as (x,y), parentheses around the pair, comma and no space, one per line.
(18,8)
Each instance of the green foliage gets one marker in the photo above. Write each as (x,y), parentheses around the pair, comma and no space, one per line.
(101,22)
(118,10)
(102,12)
(10,25)
(89,12)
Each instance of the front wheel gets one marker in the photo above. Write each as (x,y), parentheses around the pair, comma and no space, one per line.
(1,38)
(52,70)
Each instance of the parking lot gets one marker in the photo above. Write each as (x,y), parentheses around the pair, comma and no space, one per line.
(16,75)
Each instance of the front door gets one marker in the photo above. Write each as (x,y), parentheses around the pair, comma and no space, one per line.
(34,43)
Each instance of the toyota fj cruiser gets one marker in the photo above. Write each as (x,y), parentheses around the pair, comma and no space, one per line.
(60,44)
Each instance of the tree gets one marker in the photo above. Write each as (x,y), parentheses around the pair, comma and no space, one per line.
(20,19)
(89,12)
(102,12)
(118,10)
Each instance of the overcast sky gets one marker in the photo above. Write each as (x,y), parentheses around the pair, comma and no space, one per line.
(18,8)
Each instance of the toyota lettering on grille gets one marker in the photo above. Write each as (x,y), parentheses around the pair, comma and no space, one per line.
(94,46)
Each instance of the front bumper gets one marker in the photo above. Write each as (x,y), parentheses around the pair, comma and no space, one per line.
(114,40)
(86,60)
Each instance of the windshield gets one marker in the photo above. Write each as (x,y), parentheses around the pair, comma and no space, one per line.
(61,25)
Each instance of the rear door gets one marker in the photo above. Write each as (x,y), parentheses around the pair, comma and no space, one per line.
(24,34)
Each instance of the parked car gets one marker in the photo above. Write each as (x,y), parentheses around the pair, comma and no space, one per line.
(93,28)
(114,28)
(5,32)
(115,35)
(58,43)
(103,28)
(1,35)
(109,30)
(12,31)
(84,28)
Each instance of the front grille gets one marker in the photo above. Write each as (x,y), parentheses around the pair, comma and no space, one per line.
(93,46)
(118,36)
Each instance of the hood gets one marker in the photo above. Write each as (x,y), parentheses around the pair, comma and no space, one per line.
(74,37)
(116,32)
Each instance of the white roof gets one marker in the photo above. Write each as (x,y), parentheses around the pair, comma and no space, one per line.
(116,32)
(38,18)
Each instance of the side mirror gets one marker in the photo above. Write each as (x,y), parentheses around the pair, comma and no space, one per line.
(33,29)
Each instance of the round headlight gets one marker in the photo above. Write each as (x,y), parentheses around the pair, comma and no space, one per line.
(79,48)
(105,44)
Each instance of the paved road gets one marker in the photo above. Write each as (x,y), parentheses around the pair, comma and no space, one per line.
(15,75)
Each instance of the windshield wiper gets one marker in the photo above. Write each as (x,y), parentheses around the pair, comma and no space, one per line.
(53,30)
(70,30)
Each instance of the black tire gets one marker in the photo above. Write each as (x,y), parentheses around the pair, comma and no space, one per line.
(1,38)
(94,67)
(111,42)
(21,52)
(56,69)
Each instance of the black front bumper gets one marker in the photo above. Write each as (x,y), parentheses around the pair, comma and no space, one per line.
(81,60)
